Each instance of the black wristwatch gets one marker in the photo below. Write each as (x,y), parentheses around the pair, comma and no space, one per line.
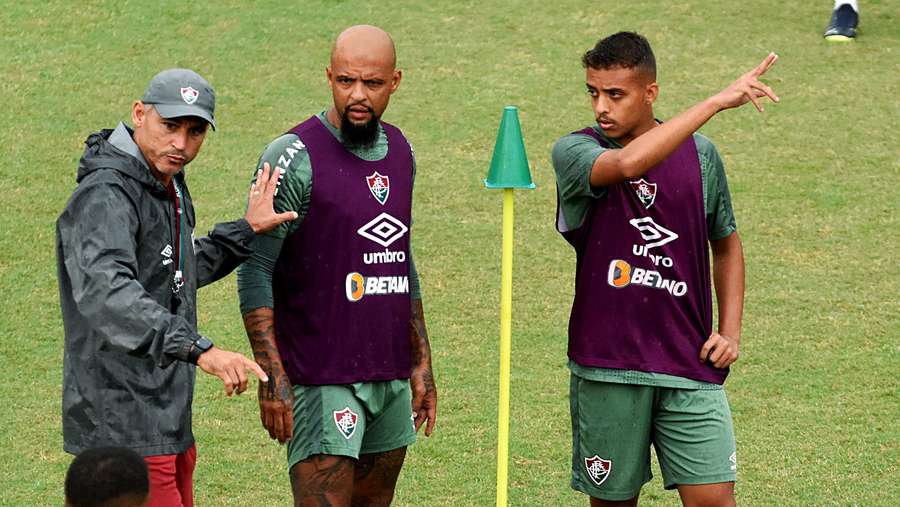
(199,346)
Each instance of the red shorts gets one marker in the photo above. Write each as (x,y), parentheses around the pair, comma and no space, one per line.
(172,479)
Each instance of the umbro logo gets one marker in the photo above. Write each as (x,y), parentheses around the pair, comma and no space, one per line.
(383,229)
(653,234)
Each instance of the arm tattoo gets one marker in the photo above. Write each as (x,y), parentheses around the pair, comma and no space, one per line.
(418,336)
(260,326)
(421,348)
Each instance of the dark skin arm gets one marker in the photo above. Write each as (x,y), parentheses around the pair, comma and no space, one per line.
(721,349)
(421,380)
(276,397)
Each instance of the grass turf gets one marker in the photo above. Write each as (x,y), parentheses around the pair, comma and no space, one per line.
(814,182)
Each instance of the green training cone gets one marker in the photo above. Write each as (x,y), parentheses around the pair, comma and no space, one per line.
(509,165)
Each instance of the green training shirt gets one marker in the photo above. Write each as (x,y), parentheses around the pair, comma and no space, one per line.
(286,152)
(573,157)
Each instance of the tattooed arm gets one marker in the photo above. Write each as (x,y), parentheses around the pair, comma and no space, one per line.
(421,380)
(276,397)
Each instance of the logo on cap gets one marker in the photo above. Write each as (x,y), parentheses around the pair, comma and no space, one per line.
(189,95)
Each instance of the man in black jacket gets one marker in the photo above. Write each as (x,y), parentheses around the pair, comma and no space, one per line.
(129,268)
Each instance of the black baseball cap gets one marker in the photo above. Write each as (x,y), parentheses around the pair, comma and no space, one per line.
(181,92)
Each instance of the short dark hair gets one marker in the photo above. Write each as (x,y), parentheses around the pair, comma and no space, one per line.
(97,477)
(624,49)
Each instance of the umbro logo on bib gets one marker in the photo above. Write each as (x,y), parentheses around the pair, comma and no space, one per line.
(383,229)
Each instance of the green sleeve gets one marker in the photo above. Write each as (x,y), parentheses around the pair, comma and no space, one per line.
(720,221)
(255,274)
(415,289)
(573,157)
(289,153)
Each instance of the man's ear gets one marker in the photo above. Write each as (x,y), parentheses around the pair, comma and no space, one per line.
(651,92)
(138,114)
(395,80)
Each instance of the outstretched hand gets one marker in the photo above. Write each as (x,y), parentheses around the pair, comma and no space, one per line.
(748,88)
(231,367)
(260,211)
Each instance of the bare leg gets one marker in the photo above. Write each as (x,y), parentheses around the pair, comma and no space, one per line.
(596,502)
(375,478)
(720,494)
(322,480)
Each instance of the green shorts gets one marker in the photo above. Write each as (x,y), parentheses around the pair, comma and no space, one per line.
(613,426)
(352,419)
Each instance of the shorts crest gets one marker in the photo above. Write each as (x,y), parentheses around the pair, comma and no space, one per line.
(598,469)
(345,420)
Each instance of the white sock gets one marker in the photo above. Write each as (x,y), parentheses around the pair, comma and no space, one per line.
(851,3)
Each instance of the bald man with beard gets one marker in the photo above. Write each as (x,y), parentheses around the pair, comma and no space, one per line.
(348,358)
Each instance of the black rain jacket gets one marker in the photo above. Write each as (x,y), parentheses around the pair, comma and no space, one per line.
(126,381)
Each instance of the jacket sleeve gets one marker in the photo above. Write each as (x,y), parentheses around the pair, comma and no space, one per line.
(224,249)
(97,235)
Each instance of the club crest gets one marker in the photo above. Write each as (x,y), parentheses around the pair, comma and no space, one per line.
(380,186)
(345,420)
(645,191)
(598,469)
(189,95)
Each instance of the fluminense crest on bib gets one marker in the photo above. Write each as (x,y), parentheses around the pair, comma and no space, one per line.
(345,420)
(189,95)
(598,469)
(380,186)
(645,191)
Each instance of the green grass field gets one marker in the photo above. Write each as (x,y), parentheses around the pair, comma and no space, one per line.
(815,395)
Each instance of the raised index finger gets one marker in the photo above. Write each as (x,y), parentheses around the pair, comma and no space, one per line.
(255,368)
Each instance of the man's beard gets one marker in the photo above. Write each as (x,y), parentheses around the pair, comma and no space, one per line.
(359,135)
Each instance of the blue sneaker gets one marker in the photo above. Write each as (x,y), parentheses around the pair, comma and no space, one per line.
(842,26)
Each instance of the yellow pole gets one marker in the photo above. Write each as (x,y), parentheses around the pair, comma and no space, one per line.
(505,341)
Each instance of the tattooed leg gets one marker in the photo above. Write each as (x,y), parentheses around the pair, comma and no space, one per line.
(375,478)
(322,480)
